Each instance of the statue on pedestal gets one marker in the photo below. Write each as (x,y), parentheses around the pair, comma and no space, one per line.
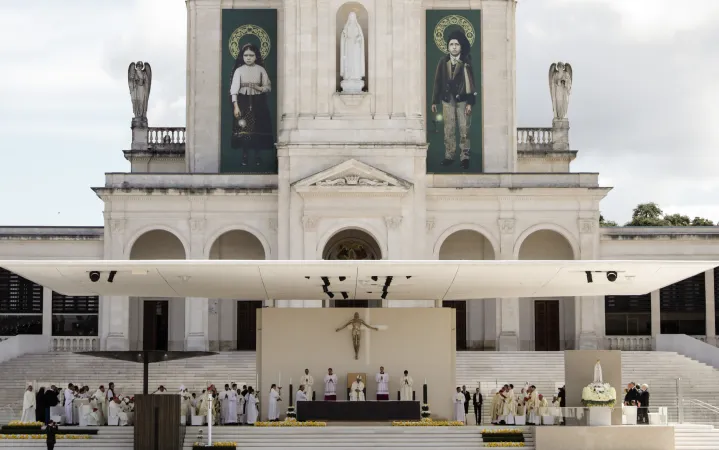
(139,79)
(352,62)
(560,88)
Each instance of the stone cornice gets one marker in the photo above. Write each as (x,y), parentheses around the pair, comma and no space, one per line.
(156,192)
(52,233)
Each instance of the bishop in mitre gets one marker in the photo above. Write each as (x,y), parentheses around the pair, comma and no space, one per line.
(357,390)
(28,406)
(307,381)
(459,406)
(405,383)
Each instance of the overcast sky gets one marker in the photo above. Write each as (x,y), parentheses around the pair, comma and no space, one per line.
(644,111)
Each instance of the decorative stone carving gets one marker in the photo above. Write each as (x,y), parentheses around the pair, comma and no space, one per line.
(393,222)
(587,226)
(506,226)
(352,180)
(117,225)
(352,65)
(197,225)
(560,88)
(430,224)
(310,223)
(272,223)
(139,79)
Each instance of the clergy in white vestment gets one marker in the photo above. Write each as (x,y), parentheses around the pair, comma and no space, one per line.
(330,386)
(510,403)
(273,409)
(232,407)
(357,390)
(185,404)
(109,395)
(28,406)
(113,411)
(301,395)
(543,406)
(459,406)
(382,380)
(225,405)
(69,397)
(307,381)
(98,398)
(532,402)
(252,411)
(405,383)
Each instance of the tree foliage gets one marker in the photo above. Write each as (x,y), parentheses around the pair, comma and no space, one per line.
(651,215)
(606,223)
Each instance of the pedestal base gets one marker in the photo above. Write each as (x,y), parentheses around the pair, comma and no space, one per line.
(197,343)
(599,417)
(117,343)
(352,86)
(508,342)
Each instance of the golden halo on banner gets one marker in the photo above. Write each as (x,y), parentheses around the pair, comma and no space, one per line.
(453,20)
(239,33)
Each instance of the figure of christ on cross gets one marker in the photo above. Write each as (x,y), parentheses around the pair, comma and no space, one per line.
(357,324)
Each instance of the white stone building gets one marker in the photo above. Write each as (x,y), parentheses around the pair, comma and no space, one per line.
(527,204)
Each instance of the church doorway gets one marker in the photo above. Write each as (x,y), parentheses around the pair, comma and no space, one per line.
(247,324)
(546,325)
(156,324)
(460,310)
(352,245)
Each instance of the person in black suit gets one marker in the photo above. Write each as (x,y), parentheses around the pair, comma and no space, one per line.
(467,397)
(51,431)
(562,395)
(631,398)
(477,403)
(51,399)
(643,411)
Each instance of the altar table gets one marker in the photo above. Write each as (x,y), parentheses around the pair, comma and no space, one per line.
(369,411)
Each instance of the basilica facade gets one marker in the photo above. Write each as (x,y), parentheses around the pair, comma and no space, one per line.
(370,129)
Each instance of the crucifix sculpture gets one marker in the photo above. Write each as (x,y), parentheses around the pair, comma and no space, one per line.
(356,323)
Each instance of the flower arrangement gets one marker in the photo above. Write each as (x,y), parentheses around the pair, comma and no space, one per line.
(503,431)
(504,444)
(427,422)
(215,444)
(599,395)
(42,436)
(291,413)
(426,413)
(18,423)
(290,422)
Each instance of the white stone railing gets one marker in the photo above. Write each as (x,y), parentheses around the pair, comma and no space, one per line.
(166,138)
(535,138)
(75,344)
(628,343)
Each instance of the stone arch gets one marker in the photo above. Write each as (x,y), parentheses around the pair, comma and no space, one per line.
(451,231)
(131,242)
(261,239)
(365,228)
(363,18)
(349,242)
(164,244)
(547,231)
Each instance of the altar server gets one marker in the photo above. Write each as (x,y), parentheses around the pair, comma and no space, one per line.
(225,405)
(330,386)
(405,383)
(301,395)
(382,380)
(28,405)
(273,409)
(69,397)
(307,381)
(459,406)
(357,390)
(233,407)
(251,407)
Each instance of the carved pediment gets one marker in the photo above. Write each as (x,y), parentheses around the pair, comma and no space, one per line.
(352,176)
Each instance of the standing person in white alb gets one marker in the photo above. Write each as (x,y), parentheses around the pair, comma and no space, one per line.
(28,406)
(307,381)
(109,396)
(405,383)
(273,409)
(382,380)
(330,386)
(69,397)
(459,406)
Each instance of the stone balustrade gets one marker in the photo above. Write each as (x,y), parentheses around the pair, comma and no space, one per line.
(628,343)
(75,344)
(529,139)
(166,138)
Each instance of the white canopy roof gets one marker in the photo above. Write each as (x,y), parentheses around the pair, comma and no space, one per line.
(312,280)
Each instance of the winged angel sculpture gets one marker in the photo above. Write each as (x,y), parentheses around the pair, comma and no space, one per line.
(139,78)
(560,88)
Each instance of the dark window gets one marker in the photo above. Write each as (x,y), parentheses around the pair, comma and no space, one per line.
(683,307)
(628,315)
(65,304)
(14,325)
(71,325)
(18,295)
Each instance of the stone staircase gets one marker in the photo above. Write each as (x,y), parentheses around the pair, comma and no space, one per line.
(696,437)
(107,438)
(378,437)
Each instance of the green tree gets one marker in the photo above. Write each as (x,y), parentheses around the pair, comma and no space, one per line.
(678,220)
(606,223)
(647,215)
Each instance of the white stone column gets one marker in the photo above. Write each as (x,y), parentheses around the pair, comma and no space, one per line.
(399,60)
(46,312)
(114,323)
(283,204)
(288,76)
(394,237)
(325,46)
(585,310)
(710,307)
(309,224)
(656,314)
(197,309)
(508,308)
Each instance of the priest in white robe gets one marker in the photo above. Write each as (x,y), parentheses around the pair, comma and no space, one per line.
(405,383)
(232,407)
(357,390)
(98,398)
(69,397)
(301,396)
(273,409)
(532,402)
(307,381)
(330,386)
(114,410)
(543,409)
(28,406)
(382,379)
(459,406)
(510,405)
(109,395)
(225,405)
(185,404)
(252,410)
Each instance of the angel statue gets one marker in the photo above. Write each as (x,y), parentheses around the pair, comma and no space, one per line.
(560,88)
(598,373)
(139,78)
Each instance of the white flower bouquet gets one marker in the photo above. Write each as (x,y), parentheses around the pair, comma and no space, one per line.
(599,395)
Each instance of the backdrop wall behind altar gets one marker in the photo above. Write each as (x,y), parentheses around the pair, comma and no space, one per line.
(420,340)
